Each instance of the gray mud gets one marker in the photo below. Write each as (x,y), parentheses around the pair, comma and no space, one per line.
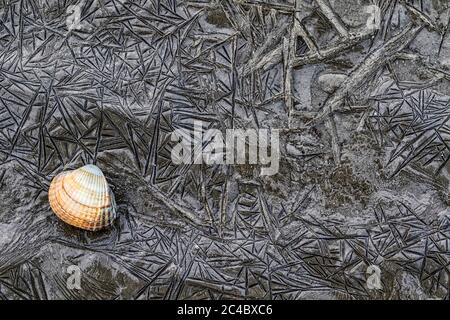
(364,168)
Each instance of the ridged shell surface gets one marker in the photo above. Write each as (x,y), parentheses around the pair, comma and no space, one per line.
(82,198)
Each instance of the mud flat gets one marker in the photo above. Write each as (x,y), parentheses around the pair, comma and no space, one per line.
(364,127)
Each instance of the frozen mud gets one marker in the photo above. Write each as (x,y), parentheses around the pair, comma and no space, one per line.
(362,108)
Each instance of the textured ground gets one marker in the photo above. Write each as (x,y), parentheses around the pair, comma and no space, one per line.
(364,169)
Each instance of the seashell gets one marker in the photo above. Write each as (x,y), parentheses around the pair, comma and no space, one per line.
(82,198)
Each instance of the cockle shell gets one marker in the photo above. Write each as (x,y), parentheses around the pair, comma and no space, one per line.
(82,198)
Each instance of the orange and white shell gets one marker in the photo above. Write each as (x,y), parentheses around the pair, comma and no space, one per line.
(82,198)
